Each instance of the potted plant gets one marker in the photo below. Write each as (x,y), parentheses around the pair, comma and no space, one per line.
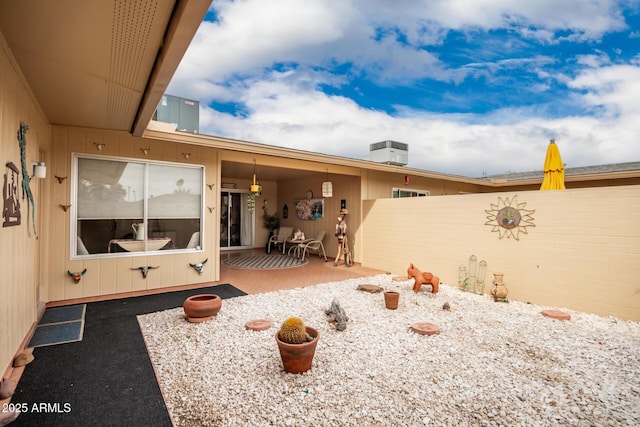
(297,345)
(272,223)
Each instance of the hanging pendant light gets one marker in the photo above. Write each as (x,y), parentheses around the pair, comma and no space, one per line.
(327,187)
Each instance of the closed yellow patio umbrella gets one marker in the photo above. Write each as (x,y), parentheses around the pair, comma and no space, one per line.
(553,169)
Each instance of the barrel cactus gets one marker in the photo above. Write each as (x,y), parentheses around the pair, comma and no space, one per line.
(293,331)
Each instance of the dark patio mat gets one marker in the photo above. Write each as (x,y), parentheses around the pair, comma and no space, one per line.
(59,325)
(107,378)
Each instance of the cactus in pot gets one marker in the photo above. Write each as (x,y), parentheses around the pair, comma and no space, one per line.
(297,345)
(293,331)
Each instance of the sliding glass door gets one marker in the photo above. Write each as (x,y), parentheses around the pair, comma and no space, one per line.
(236,222)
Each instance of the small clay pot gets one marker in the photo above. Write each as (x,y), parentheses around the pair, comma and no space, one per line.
(6,388)
(391,299)
(297,358)
(199,308)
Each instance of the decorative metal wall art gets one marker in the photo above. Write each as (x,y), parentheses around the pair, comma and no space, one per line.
(509,218)
(11,209)
(26,190)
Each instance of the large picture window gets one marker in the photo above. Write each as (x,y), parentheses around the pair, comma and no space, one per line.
(125,205)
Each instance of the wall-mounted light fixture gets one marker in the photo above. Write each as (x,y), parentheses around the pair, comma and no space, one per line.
(145,151)
(186,155)
(39,170)
(99,146)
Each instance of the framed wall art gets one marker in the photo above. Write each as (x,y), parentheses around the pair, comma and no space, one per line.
(310,208)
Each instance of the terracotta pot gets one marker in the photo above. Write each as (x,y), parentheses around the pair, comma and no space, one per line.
(297,358)
(199,308)
(391,299)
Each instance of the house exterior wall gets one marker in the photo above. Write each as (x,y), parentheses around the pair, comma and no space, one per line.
(379,185)
(22,287)
(107,276)
(345,187)
(582,253)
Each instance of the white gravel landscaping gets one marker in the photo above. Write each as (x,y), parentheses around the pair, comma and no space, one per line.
(493,363)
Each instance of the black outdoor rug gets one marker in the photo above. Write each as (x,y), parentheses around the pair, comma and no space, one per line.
(264,262)
(107,378)
(59,325)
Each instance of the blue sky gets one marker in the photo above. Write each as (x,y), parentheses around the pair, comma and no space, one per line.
(474,87)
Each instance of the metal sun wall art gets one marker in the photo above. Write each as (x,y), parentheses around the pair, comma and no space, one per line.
(509,218)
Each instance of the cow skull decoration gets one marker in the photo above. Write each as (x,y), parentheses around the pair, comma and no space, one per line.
(77,275)
(145,270)
(200,266)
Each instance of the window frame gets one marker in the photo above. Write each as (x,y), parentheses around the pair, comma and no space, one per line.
(73,216)
(419,193)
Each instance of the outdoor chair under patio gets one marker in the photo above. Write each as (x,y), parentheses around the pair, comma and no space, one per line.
(313,246)
(280,237)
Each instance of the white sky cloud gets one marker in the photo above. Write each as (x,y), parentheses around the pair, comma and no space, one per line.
(307,103)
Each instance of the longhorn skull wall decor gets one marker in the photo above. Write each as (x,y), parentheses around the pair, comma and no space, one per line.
(77,275)
(200,266)
(144,269)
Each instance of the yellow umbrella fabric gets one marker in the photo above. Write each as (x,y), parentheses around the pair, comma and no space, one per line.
(553,169)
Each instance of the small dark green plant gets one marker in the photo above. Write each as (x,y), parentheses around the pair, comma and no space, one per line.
(271,222)
(293,331)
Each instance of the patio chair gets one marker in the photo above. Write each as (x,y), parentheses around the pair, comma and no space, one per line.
(280,237)
(314,246)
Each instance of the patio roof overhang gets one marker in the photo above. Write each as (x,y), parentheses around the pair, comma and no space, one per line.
(101,64)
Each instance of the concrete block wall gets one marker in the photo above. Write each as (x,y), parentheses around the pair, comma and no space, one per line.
(581,250)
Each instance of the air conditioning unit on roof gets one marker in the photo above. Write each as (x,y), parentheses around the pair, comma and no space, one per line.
(389,152)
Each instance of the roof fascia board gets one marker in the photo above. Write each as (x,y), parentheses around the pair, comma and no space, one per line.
(269,150)
(185,21)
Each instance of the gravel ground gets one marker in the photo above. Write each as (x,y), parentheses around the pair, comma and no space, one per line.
(493,363)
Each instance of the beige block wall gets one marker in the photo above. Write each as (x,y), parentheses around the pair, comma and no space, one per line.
(582,253)
(22,287)
(115,275)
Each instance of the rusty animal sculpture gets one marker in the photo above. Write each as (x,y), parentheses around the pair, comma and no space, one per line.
(200,266)
(423,279)
(77,275)
(144,269)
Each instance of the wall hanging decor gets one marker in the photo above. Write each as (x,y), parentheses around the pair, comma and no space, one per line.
(77,275)
(26,190)
(144,270)
(199,267)
(11,207)
(509,218)
(310,208)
